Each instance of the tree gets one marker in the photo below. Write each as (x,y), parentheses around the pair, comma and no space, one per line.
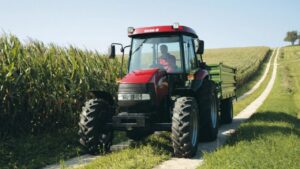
(291,37)
(299,38)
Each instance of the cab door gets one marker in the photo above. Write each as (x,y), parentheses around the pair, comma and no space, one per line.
(190,59)
(192,67)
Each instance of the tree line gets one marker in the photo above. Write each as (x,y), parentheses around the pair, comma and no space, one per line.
(292,36)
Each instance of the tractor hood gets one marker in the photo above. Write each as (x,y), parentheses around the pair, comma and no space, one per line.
(140,76)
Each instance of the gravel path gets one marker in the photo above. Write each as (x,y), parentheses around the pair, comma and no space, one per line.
(224,132)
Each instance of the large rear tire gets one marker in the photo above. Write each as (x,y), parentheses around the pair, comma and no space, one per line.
(95,136)
(226,111)
(209,108)
(185,127)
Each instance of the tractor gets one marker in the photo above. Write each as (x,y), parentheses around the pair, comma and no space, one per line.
(167,87)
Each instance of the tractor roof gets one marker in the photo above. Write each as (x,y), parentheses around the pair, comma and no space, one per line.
(176,28)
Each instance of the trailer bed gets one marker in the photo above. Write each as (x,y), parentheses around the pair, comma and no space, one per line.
(225,79)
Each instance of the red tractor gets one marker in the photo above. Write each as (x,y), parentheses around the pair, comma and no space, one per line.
(167,87)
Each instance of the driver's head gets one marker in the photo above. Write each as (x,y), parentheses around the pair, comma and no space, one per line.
(164,49)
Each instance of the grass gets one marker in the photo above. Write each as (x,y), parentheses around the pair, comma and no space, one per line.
(271,138)
(146,154)
(38,151)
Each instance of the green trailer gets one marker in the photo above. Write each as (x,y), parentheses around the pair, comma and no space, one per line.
(225,79)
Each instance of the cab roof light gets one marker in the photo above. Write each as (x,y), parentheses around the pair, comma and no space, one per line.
(130,30)
(176,25)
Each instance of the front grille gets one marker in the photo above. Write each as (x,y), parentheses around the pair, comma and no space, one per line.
(136,106)
(132,88)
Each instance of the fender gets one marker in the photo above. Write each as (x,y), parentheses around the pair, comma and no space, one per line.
(103,95)
(200,75)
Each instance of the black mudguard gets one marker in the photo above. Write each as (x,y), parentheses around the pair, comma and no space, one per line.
(104,95)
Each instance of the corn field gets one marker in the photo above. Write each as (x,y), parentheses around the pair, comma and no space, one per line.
(43,87)
(247,60)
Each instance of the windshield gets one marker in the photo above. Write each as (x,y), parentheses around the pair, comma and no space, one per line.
(160,52)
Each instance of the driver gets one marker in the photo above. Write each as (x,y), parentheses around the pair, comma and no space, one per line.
(167,60)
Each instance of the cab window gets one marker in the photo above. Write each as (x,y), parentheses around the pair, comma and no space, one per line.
(189,54)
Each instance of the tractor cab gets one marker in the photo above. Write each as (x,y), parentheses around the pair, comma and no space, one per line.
(172,49)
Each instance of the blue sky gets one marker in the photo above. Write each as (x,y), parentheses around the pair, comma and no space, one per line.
(94,24)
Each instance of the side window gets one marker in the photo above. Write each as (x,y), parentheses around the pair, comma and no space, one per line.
(189,54)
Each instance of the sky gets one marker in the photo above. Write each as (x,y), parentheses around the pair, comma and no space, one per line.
(95,24)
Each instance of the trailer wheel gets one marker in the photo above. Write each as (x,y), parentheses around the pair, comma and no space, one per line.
(226,111)
(95,136)
(209,107)
(185,127)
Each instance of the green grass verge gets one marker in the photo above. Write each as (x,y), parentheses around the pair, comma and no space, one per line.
(33,151)
(38,151)
(271,137)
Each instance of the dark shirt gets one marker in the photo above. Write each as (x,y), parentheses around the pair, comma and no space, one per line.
(168,61)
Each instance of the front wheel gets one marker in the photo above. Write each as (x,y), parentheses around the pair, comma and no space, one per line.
(95,136)
(185,127)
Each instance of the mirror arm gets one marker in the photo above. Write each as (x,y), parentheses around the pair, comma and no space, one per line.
(122,60)
(201,57)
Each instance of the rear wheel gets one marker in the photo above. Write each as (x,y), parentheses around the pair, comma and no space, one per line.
(185,127)
(95,136)
(209,107)
(226,111)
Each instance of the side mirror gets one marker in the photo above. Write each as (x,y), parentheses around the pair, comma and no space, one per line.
(112,52)
(199,46)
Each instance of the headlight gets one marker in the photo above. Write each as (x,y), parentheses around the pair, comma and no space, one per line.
(133,96)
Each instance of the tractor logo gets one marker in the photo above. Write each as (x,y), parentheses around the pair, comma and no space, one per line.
(151,30)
